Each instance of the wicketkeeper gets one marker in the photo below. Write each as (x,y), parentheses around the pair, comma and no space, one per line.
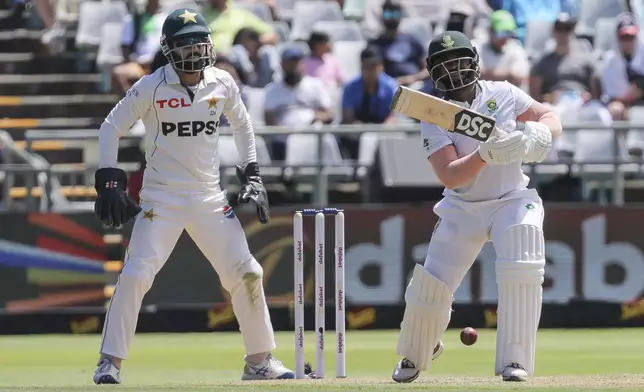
(180,105)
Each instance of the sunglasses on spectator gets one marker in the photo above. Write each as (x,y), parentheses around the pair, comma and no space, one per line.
(391,14)
(564,28)
(626,37)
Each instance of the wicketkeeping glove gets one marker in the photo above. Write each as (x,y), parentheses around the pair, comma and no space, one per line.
(539,142)
(113,206)
(503,148)
(252,189)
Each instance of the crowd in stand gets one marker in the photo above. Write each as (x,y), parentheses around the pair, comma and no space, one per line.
(307,82)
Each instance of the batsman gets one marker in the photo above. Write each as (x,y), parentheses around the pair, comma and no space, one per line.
(485,199)
(180,105)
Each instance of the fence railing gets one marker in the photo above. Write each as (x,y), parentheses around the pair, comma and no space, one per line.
(320,193)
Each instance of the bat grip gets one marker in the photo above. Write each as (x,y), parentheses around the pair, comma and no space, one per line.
(499,132)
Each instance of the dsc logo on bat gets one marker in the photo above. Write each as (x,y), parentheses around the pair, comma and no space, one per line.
(477,127)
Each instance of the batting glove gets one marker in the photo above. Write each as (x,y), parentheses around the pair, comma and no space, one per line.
(503,148)
(539,142)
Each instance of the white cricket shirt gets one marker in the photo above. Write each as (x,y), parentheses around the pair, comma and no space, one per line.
(181,132)
(504,102)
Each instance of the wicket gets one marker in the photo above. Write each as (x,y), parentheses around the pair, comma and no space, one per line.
(320,299)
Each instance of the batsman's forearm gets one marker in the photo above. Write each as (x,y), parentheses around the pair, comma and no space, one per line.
(108,142)
(551,120)
(461,171)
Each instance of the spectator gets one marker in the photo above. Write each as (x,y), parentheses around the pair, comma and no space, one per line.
(524,10)
(225,21)
(367,98)
(403,55)
(503,57)
(297,100)
(464,15)
(140,42)
(272,5)
(622,71)
(257,64)
(53,37)
(321,63)
(569,68)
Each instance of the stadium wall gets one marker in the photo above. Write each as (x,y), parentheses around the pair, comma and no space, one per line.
(53,276)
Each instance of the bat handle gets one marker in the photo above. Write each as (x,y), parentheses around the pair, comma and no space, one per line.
(499,132)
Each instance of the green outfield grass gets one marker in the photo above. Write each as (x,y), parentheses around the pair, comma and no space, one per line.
(573,360)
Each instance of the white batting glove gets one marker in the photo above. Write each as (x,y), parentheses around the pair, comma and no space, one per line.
(539,142)
(504,148)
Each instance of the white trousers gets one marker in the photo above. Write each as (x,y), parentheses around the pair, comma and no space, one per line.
(217,232)
(464,227)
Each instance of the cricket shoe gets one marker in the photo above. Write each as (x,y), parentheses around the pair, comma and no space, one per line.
(406,371)
(107,373)
(514,372)
(269,369)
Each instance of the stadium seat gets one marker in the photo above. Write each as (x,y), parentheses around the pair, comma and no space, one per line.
(171,5)
(260,9)
(256,98)
(92,17)
(348,55)
(590,11)
(597,146)
(635,137)
(538,33)
(605,36)
(417,27)
(341,30)
(285,9)
(302,157)
(368,146)
(109,50)
(282,30)
(229,157)
(353,9)
(307,13)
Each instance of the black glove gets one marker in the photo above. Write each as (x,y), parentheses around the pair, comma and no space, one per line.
(252,189)
(113,206)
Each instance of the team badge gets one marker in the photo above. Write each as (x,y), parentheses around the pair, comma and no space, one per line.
(491,105)
(188,16)
(212,103)
(229,213)
(448,42)
(149,215)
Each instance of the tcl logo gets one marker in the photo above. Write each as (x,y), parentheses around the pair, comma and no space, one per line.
(173,103)
(189,128)
(477,127)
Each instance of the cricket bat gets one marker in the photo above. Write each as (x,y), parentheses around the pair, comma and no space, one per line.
(447,115)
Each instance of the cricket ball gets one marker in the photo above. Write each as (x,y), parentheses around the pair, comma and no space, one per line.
(469,336)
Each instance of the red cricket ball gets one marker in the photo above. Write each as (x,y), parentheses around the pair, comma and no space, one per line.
(469,336)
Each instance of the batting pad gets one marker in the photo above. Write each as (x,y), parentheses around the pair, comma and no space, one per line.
(428,311)
(519,274)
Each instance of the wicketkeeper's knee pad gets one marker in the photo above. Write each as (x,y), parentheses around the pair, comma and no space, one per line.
(519,274)
(241,274)
(427,313)
(137,273)
(249,304)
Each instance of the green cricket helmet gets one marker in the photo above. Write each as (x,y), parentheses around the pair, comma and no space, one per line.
(452,61)
(185,41)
